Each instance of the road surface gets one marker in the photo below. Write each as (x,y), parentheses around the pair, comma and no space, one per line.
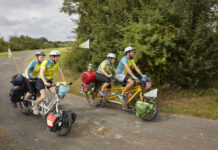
(103,128)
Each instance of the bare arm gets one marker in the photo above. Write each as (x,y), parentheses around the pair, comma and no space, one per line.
(42,71)
(114,69)
(105,73)
(128,70)
(62,75)
(138,70)
(26,73)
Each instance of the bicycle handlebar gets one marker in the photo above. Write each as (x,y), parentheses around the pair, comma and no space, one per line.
(62,83)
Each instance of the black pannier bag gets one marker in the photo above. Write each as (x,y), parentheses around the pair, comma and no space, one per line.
(16,94)
(18,80)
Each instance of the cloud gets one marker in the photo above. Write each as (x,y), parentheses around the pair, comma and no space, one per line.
(35,18)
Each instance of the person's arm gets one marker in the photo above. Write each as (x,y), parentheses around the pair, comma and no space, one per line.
(105,73)
(138,70)
(114,69)
(62,75)
(26,73)
(128,70)
(42,71)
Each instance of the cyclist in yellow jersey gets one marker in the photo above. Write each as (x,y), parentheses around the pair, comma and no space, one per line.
(104,72)
(32,71)
(48,68)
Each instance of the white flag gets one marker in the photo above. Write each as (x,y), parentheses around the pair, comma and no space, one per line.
(9,53)
(84,45)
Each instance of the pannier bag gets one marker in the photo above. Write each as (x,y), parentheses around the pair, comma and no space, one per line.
(88,77)
(16,94)
(53,122)
(141,108)
(18,80)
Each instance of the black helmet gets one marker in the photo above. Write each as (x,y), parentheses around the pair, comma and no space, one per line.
(40,53)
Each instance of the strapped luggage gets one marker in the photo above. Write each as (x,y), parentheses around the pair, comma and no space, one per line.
(16,94)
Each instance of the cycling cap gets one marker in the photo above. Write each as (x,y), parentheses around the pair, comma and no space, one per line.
(111,55)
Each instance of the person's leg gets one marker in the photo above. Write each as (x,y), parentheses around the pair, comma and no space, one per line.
(29,87)
(41,88)
(104,86)
(41,98)
(27,96)
(52,90)
(130,83)
(106,80)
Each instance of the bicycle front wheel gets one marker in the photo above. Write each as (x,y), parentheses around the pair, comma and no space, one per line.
(93,99)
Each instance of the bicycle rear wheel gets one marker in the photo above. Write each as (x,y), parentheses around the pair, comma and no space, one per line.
(68,120)
(151,113)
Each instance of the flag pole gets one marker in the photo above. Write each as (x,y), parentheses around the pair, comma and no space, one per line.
(10,53)
(89,53)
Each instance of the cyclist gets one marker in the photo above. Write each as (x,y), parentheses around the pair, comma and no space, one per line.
(48,68)
(104,72)
(32,72)
(125,65)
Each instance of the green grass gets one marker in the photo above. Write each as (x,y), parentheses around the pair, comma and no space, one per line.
(201,103)
(5,54)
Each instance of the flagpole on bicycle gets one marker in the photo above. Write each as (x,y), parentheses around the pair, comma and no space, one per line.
(11,55)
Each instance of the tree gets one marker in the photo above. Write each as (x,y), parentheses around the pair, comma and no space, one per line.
(175,40)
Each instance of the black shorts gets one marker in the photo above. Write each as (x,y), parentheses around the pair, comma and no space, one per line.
(102,78)
(40,84)
(31,85)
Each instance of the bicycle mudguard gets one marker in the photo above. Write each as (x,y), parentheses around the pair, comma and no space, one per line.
(152,93)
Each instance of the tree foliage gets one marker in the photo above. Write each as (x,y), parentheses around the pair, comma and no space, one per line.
(175,40)
(22,42)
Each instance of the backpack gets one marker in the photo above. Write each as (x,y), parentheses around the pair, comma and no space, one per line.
(18,80)
(16,94)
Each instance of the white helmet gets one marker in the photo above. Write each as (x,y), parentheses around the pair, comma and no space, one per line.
(129,48)
(111,55)
(54,53)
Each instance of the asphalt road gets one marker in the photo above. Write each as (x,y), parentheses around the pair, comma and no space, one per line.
(103,128)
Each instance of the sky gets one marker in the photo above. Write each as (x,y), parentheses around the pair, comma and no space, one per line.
(35,18)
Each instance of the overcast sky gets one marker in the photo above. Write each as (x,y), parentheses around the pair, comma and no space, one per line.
(35,18)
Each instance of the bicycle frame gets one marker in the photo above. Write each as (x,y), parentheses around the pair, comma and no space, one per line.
(45,109)
(135,89)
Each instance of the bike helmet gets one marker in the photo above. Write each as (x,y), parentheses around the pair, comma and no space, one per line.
(129,48)
(40,53)
(111,55)
(54,53)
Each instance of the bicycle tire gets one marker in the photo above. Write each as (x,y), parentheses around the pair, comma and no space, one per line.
(153,113)
(91,100)
(67,124)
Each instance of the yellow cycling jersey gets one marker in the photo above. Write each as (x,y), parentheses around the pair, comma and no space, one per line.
(50,68)
(131,64)
(34,69)
(106,66)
